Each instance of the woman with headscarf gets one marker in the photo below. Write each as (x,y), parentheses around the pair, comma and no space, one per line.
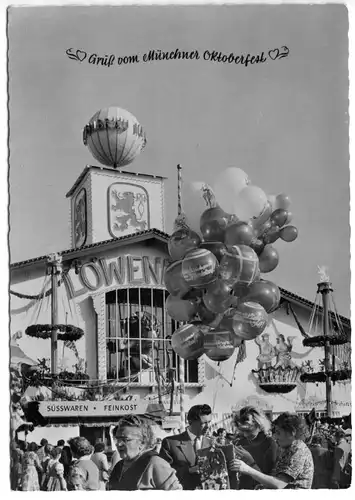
(254,429)
(141,468)
(294,466)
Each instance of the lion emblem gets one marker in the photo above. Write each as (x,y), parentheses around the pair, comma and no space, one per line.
(131,210)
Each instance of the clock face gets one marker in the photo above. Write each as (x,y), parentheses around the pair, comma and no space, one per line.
(80,219)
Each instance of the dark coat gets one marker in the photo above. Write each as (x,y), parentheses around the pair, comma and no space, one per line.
(179,452)
(322,460)
(264,450)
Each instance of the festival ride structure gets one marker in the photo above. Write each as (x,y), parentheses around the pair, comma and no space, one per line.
(335,366)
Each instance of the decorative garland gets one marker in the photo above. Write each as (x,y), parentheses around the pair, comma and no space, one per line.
(38,296)
(319,340)
(279,388)
(66,332)
(322,376)
(47,380)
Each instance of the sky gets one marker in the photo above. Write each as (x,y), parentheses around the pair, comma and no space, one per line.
(284,122)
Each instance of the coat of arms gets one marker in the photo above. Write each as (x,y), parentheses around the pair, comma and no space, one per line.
(128,209)
(80,219)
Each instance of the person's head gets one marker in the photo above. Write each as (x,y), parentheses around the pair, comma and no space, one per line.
(339,435)
(48,449)
(221,432)
(32,447)
(133,436)
(249,421)
(55,452)
(99,447)
(287,428)
(44,442)
(317,440)
(199,418)
(76,478)
(61,442)
(80,447)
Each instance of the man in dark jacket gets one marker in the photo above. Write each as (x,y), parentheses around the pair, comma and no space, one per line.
(180,450)
(322,460)
(341,453)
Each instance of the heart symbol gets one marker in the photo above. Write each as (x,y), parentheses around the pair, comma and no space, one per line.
(274,54)
(81,55)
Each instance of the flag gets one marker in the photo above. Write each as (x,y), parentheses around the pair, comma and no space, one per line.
(71,345)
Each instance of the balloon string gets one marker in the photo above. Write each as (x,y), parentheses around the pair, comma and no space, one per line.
(179,189)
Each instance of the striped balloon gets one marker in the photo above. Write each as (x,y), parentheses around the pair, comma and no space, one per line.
(199,267)
(187,342)
(114,137)
(218,345)
(250,320)
(240,264)
(174,281)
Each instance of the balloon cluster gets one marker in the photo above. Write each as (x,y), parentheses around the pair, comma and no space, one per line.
(219,247)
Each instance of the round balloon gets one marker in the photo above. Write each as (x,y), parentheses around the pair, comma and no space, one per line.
(114,137)
(272,235)
(213,222)
(257,245)
(251,203)
(250,320)
(216,247)
(239,265)
(188,342)
(228,186)
(208,317)
(289,217)
(263,217)
(240,290)
(174,281)
(218,345)
(289,233)
(239,233)
(263,229)
(181,310)
(279,217)
(265,293)
(199,268)
(182,241)
(282,201)
(272,200)
(218,297)
(268,259)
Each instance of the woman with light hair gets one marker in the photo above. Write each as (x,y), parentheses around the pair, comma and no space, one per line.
(141,468)
(254,429)
(294,466)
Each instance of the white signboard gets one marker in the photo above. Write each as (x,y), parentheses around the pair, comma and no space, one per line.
(92,408)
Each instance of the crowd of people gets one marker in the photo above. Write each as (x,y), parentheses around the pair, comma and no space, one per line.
(284,453)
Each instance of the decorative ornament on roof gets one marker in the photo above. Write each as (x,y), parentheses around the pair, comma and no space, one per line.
(323,274)
(54,259)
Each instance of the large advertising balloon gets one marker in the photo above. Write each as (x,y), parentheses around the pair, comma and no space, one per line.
(199,268)
(114,137)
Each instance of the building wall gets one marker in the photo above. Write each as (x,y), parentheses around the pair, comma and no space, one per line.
(97,183)
(222,386)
